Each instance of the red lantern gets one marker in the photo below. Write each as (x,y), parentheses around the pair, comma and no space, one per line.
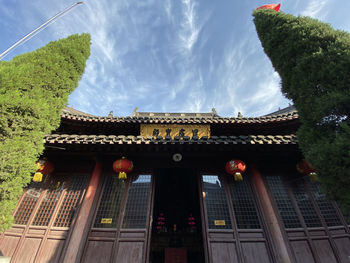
(44,167)
(305,168)
(123,166)
(236,168)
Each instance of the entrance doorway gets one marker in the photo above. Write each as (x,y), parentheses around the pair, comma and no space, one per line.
(177,227)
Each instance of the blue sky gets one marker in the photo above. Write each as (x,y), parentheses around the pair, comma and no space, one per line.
(166,55)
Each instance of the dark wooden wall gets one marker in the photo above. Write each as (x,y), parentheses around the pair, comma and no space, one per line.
(42,235)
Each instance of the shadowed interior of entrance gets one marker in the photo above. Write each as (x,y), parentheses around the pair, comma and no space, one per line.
(177,229)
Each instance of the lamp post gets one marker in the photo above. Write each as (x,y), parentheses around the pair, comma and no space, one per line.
(37,30)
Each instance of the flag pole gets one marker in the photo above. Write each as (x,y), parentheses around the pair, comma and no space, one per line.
(37,30)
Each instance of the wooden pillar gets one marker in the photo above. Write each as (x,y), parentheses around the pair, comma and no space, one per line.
(80,230)
(271,218)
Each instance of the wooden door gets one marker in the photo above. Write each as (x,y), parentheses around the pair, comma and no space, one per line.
(313,225)
(43,218)
(233,226)
(121,225)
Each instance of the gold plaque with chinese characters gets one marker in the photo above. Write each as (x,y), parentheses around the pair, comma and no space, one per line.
(173,130)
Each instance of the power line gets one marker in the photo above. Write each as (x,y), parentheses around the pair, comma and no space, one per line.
(37,30)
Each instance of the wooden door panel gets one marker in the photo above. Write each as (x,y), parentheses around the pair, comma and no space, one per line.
(309,216)
(119,231)
(324,251)
(253,235)
(133,234)
(8,245)
(29,250)
(43,218)
(338,231)
(102,233)
(52,250)
(131,245)
(129,251)
(15,229)
(343,246)
(223,252)
(98,251)
(228,235)
(255,252)
(234,229)
(302,251)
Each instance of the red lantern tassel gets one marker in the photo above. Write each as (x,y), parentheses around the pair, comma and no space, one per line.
(313,177)
(238,177)
(38,177)
(122,176)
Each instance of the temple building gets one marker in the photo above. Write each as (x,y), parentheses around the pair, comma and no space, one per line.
(192,187)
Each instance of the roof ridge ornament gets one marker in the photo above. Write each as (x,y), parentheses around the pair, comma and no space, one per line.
(135,113)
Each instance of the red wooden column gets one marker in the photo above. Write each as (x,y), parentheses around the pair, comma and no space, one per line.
(271,218)
(79,233)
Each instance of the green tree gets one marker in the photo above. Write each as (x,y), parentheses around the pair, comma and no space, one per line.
(34,88)
(313,61)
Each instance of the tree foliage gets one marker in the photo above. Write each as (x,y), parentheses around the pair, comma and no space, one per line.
(34,88)
(313,61)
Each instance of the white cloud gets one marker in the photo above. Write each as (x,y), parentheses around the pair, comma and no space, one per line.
(316,9)
(190,29)
(163,56)
(267,96)
(196,95)
(168,10)
(232,79)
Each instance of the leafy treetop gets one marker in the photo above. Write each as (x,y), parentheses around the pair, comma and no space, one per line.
(313,61)
(34,88)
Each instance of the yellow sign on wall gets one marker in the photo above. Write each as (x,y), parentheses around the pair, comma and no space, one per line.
(106,220)
(219,222)
(173,130)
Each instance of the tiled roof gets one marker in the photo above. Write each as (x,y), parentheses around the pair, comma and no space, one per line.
(65,139)
(186,119)
(286,110)
(72,111)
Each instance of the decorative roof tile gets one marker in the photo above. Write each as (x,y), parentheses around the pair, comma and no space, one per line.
(121,139)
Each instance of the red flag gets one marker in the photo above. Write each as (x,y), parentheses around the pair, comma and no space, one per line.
(271,6)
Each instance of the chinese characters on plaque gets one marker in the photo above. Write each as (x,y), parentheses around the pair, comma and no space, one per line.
(173,130)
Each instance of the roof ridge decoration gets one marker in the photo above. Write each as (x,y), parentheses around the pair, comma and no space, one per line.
(211,114)
(169,118)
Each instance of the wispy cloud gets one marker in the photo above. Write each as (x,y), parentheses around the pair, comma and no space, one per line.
(186,55)
(168,10)
(189,28)
(196,96)
(315,9)
(267,97)
(232,78)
